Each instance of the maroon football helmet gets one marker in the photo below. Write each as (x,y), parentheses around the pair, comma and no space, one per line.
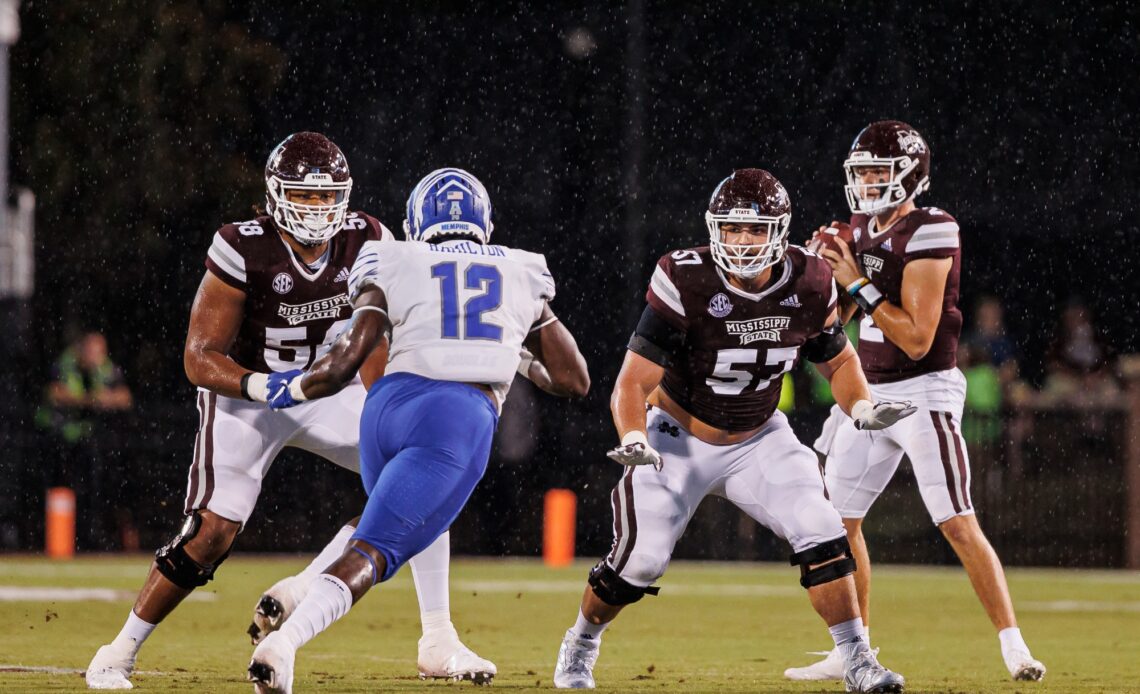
(749,196)
(893,145)
(310,162)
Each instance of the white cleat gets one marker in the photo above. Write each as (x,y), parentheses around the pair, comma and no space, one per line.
(111,668)
(443,656)
(1025,668)
(576,658)
(274,607)
(864,674)
(830,668)
(271,668)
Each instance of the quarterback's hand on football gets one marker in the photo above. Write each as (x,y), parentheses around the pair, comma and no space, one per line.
(880,415)
(284,389)
(843,264)
(810,243)
(635,450)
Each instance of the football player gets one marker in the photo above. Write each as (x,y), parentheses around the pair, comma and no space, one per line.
(723,324)
(274,296)
(903,278)
(460,310)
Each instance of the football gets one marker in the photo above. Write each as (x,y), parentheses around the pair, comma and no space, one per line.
(835,232)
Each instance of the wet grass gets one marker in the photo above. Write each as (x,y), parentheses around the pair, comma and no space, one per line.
(715,628)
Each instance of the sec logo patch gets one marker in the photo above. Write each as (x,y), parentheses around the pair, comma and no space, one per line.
(282,283)
(720,306)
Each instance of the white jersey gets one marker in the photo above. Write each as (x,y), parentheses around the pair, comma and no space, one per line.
(459,310)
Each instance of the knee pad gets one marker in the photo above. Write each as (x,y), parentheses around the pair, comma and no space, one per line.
(837,551)
(177,566)
(614,590)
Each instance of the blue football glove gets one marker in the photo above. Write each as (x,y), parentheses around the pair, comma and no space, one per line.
(279,397)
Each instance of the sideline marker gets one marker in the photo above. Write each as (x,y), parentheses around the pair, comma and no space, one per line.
(560,507)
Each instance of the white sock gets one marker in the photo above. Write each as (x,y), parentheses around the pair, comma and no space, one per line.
(134,632)
(1011,642)
(586,629)
(430,574)
(848,632)
(328,555)
(328,600)
(867,634)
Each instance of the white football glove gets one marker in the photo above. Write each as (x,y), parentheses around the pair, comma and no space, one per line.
(635,450)
(880,415)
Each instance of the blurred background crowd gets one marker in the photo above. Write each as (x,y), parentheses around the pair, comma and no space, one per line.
(599,129)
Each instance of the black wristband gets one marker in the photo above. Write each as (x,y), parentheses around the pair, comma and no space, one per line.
(868,298)
(245,386)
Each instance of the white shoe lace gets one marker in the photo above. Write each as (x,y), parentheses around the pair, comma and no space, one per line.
(579,657)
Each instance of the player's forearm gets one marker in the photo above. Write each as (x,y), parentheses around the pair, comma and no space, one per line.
(558,367)
(336,369)
(627,405)
(847,307)
(848,384)
(214,371)
(903,331)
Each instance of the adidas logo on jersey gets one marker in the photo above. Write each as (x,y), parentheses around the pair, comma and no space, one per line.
(887,245)
(793,301)
(341,276)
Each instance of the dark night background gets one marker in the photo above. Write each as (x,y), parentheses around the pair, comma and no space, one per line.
(599,129)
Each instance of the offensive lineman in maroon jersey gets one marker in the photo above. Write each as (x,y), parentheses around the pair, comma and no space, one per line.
(904,277)
(274,298)
(723,324)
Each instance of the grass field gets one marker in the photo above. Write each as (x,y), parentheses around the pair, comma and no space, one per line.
(715,628)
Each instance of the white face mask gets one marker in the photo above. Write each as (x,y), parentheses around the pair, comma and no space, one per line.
(892,193)
(309,224)
(747,259)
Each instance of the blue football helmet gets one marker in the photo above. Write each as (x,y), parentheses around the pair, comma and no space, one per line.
(448,202)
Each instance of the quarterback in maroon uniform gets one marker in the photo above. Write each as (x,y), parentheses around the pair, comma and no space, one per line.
(273,298)
(903,278)
(724,322)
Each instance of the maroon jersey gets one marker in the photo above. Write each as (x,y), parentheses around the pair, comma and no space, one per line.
(738,345)
(292,313)
(927,232)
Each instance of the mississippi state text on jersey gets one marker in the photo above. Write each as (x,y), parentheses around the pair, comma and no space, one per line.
(927,232)
(460,310)
(738,345)
(292,313)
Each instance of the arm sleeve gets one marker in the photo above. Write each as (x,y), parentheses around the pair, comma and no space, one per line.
(664,297)
(826,345)
(224,259)
(937,238)
(658,340)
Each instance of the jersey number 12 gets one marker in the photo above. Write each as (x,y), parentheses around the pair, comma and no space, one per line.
(484,277)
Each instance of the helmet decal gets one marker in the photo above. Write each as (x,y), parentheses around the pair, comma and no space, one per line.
(449,202)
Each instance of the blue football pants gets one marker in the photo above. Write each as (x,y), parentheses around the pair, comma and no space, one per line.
(424,445)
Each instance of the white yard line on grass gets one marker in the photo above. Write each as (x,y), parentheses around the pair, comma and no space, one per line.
(45,594)
(1079,606)
(49,670)
(732,589)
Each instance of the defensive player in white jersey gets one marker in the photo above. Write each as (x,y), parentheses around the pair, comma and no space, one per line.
(274,296)
(460,311)
(695,409)
(903,276)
